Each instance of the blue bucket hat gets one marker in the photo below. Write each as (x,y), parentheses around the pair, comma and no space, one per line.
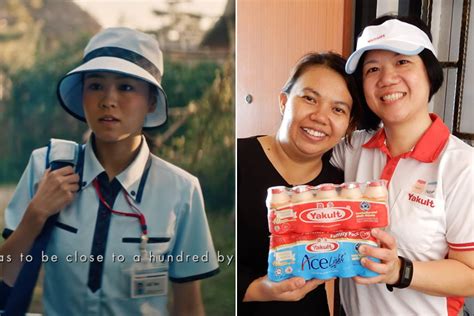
(121,50)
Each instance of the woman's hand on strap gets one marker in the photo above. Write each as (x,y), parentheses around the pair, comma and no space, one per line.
(56,190)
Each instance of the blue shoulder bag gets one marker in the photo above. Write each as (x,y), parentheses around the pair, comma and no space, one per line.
(14,301)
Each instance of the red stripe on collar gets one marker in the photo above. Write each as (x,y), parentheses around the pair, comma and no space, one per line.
(428,147)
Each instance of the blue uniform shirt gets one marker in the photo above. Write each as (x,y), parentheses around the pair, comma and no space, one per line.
(172,204)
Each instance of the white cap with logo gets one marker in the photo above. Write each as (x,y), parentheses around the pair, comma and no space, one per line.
(393,35)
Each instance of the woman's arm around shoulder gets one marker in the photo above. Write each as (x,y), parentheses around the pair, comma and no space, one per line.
(343,151)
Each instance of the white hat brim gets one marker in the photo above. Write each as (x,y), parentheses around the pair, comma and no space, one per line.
(400,47)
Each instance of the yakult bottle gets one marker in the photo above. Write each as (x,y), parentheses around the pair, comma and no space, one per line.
(419,186)
(326,191)
(351,191)
(277,197)
(302,193)
(376,190)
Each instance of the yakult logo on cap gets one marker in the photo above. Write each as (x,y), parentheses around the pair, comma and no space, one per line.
(325,215)
(376,38)
(322,246)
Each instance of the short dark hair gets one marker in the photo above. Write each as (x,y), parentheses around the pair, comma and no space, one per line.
(369,120)
(334,62)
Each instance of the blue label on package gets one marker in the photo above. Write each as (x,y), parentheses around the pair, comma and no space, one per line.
(318,255)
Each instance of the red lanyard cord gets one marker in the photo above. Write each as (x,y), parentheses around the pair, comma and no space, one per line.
(139,215)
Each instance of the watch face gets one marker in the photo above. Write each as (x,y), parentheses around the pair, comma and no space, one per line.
(406,273)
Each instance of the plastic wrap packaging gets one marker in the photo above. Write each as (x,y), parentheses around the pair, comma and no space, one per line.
(327,207)
(316,231)
(319,255)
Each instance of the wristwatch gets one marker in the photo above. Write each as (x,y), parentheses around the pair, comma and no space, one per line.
(406,275)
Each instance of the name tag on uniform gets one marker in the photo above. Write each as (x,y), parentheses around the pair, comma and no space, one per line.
(149,280)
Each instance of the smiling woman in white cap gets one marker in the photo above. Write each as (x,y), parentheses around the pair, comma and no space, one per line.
(427,251)
(127,221)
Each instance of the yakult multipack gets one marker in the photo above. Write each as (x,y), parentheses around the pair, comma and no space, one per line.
(327,207)
(316,231)
(318,255)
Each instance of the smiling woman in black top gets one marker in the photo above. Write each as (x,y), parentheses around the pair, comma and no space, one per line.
(319,106)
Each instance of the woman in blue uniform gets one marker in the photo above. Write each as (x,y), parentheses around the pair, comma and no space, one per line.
(128,215)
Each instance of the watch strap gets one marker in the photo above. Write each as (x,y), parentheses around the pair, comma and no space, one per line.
(406,275)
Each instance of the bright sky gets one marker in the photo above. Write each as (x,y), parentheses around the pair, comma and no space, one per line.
(138,13)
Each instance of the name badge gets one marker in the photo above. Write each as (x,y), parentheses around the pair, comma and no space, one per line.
(149,279)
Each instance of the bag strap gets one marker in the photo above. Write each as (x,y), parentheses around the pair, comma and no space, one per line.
(60,153)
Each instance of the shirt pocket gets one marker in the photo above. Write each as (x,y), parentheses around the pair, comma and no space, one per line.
(129,231)
(66,227)
(65,240)
(415,220)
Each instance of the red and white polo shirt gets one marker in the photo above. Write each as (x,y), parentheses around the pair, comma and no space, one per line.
(431,205)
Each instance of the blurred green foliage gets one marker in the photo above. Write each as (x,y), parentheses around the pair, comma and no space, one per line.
(205,144)
(32,115)
(184,82)
(219,291)
(202,145)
